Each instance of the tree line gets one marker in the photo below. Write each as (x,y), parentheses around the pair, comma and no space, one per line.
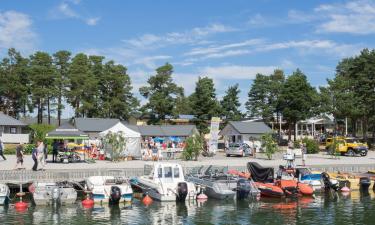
(94,87)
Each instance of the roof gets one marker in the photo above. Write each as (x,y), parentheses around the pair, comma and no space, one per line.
(250,127)
(66,131)
(6,120)
(32,120)
(164,130)
(94,124)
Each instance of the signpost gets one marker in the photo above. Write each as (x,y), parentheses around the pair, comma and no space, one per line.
(214,134)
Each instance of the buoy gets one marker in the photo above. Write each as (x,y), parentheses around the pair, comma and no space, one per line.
(345,189)
(31,188)
(202,196)
(88,202)
(147,200)
(21,206)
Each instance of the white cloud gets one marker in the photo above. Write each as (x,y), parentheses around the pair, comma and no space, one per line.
(16,31)
(68,9)
(150,62)
(230,72)
(192,36)
(92,21)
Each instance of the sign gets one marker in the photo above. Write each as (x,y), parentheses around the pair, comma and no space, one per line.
(214,134)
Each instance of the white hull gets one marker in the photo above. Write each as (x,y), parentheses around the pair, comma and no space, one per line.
(49,193)
(100,186)
(4,194)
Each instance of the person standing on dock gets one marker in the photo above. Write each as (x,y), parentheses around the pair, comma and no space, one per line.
(55,150)
(34,156)
(2,148)
(41,154)
(19,155)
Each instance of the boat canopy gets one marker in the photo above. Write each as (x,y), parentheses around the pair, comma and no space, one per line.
(259,173)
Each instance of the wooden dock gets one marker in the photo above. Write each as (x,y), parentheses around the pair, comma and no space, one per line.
(79,175)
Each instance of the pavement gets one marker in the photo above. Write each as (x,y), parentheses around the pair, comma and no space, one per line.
(321,159)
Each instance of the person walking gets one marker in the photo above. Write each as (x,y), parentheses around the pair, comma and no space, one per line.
(55,150)
(34,156)
(2,148)
(19,155)
(41,154)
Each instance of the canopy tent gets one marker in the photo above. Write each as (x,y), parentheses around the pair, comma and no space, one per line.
(133,139)
(67,132)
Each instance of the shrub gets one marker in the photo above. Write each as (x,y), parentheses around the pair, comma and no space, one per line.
(312,146)
(269,145)
(39,131)
(193,147)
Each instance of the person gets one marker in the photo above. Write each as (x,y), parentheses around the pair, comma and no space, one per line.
(55,150)
(34,156)
(41,154)
(2,148)
(19,155)
(304,153)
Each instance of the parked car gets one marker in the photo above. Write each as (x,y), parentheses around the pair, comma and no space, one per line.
(348,146)
(239,149)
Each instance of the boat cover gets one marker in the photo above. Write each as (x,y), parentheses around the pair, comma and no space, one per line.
(260,173)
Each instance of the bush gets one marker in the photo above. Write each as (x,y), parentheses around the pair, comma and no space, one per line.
(39,131)
(193,147)
(312,146)
(269,145)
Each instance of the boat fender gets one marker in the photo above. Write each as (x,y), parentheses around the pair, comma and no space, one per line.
(202,196)
(345,189)
(147,200)
(31,188)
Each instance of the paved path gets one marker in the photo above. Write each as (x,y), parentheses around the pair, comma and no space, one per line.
(315,160)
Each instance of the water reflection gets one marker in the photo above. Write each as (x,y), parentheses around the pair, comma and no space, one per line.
(329,208)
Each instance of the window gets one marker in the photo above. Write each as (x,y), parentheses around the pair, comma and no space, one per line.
(176,172)
(160,172)
(13,130)
(167,172)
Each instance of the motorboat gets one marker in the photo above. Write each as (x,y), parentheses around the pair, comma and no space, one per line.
(109,189)
(165,182)
(351,181)
(312,178)
(283,186)
(45,193)
(4,194)
(217,183)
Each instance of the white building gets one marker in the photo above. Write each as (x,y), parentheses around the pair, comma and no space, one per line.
(12,130)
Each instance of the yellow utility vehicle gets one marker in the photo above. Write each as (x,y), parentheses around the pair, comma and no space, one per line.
(348,146)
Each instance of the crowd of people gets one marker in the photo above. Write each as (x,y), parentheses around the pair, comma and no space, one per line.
(152,149)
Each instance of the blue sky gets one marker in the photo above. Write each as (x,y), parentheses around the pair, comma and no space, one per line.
(229,41)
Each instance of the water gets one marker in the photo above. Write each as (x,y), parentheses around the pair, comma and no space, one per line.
(355,208)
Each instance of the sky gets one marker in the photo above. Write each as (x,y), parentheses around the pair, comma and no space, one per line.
(229,41)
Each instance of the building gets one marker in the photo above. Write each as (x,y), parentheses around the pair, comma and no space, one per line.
(93,126)
(239,131)
(13,130)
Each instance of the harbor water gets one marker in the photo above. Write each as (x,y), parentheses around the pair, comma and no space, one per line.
(353,208)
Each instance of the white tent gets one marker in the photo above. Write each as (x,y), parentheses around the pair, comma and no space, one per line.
(133,139)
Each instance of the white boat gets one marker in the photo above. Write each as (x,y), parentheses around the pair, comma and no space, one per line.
(109,189)
(53,192)
(165,182)
(4,194)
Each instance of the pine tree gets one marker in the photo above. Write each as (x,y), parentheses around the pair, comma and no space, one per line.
(230,104)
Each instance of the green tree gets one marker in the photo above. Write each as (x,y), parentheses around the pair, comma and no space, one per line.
(193,147)
(264,96)
(116,94)
(14,84)
(297,100)
(42,79)
(269,145)
(230,104)
(61,60)
(204,103)
(161,93)
(82,86)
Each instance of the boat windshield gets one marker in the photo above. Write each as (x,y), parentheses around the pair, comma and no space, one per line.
(160,172)
(176,172)
(167,172)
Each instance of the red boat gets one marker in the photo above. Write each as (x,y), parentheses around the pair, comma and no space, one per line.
(264,180)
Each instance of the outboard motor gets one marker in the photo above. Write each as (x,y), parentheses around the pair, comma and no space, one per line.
(364,183)
(115,195)
(56,194)
(328,184)
(182,191)
(243,188)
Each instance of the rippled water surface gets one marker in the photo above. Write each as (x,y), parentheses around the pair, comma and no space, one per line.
(355,208)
